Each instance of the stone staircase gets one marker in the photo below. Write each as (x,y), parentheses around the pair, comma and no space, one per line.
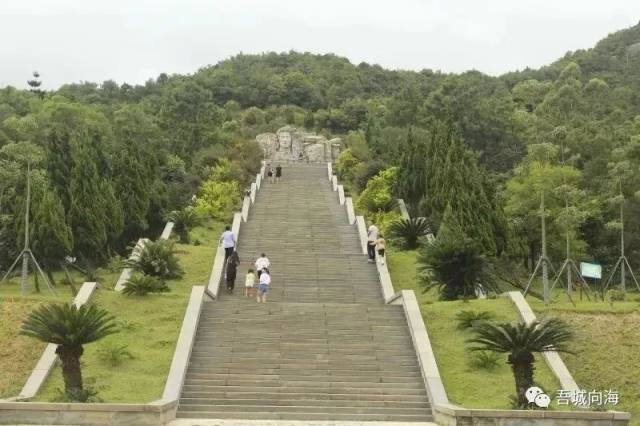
(324,346)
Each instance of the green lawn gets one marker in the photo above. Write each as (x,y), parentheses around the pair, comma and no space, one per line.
(449,344)
(20,354)
(149,328)
(606,344)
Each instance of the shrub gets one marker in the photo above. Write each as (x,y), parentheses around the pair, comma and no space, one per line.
(218,199)
(141,285)
(113,355)
(484,360)
(410,230)
(616,295)
(158,259)
(466,319)
(377,195)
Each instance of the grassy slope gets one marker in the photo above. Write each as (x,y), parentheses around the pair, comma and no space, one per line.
(20,354)
(459,379)
(149,328)
(605,346)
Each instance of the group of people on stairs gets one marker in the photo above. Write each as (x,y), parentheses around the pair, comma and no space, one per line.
(231,263)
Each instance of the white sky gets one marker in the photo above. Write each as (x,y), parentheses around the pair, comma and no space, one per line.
(88,40)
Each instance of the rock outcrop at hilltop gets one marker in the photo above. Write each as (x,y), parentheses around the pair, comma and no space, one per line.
(291,143)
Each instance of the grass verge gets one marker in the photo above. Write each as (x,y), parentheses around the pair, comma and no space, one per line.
(467,386)
(149,328)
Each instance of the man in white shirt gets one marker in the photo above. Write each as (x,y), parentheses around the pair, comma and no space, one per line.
(372,237)
(228,241)
(262,263)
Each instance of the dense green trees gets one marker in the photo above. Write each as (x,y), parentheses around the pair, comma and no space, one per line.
(120,157)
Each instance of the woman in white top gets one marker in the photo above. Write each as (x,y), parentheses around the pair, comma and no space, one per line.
(262,263)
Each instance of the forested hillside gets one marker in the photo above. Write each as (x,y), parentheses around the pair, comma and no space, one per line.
(111,161)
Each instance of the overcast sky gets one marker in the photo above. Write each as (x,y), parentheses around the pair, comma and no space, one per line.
(127,40)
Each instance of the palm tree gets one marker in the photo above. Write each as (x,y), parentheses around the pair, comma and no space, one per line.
(410,230)
(521,341)
(183,220)
(70,328)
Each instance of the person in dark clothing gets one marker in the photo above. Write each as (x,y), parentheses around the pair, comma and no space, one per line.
(232,271)
(278,172)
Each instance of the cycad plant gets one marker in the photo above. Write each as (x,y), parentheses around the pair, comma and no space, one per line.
(158,259)
(521,341)
(141,285)
(70,328)
(410,230)
(183,221)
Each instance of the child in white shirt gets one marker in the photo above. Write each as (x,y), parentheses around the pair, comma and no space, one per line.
(263,288)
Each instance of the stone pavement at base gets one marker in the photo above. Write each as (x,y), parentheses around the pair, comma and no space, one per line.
(325,347)
(231,422)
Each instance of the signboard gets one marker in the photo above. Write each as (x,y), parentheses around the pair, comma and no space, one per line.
(591,270)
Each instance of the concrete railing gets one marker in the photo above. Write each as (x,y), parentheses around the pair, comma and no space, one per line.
(403,209)
(166,232)
(258,181)
(246,203)
(330,170)
(362,232)
(351,214)
(385,280)
(127,272)
(553,359)
(341,194)
(252,194)
(180,362)
(48,359)
(422,345)
(334,182)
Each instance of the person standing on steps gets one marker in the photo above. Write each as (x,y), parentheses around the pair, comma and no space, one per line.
(262,263)
(263,287)
(228,241)
(372,237)
(270,173)
(278,172)
(380,248)
(232,271)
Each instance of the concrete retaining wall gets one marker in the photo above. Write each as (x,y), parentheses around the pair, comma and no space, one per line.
(166,232)
(86,414)
(330,170)
(48,359)
(246,203)
(334,182)
(451,415)
(127,272)
(180,361)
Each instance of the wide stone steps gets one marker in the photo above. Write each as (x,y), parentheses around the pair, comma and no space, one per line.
(324,347)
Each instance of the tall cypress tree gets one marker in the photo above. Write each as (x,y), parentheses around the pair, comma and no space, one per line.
(132,184)
(113,215)
(87,215)
(59,162)
(51,236)
(413,175)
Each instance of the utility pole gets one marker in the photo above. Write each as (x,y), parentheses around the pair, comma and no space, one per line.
(26,254)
